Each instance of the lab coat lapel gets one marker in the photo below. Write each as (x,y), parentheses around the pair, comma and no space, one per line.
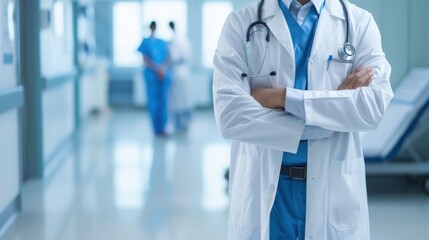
(278,27)
(327,25)
(324,30)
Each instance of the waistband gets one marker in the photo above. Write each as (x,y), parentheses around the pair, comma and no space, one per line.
(294,172)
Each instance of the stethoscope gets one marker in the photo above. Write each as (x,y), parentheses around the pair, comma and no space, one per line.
(346,51)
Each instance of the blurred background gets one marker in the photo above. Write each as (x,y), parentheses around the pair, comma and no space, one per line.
(79,158)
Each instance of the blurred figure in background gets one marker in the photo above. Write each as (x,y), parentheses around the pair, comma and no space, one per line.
(157,76)
(180,105)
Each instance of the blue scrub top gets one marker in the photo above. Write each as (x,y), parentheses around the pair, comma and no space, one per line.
(154,48)
(302,38)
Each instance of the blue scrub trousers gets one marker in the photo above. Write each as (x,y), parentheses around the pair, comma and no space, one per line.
(157,92)
(287,218)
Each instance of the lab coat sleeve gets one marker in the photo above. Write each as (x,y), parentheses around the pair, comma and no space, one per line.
(313,132)
(360,109)
(294,103)
(238,115)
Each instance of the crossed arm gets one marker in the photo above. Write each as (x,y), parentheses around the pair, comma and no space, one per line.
(275,98)
(252,116)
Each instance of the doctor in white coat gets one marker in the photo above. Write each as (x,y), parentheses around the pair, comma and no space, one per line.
(180,102)
(341,99)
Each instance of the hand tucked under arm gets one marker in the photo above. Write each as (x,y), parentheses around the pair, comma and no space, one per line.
(273,98)
(361,77)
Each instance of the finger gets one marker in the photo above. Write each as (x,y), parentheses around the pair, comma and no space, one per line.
(369,80)
(347,84)
(344,84)
(357,70)
(351,79)
(362,72)
(359,81)
(362,69)
(362,80)
(355,84)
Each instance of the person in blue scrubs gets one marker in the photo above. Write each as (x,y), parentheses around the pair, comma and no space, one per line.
(157,76)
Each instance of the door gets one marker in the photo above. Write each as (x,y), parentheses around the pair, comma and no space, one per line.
(11,99)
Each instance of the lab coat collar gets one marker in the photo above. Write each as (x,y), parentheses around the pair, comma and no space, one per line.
(332,7)
(317,3)
(273,16)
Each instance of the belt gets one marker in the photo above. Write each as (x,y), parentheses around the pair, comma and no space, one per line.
(297,173)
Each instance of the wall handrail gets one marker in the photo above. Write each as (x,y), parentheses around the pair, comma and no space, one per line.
(87,71)
(11,98)
(59,79)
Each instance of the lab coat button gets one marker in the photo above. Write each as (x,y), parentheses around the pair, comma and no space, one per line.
(312,178)
(296,110)
(272,188)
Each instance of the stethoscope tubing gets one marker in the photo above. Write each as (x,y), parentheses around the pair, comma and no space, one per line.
(345,57)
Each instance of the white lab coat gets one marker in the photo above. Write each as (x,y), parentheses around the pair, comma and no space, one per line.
(336,190)
(179,57)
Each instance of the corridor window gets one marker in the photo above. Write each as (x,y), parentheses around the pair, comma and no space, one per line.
(163,12)
(11,21)
(127,34)
(214,16)
(58,18)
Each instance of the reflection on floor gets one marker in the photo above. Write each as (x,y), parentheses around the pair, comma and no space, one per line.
(121,183)
(398,210)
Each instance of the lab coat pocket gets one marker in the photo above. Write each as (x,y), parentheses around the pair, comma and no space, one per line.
(338,72)
(346,194)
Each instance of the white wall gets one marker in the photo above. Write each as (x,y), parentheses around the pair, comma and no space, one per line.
(57,102)
(9,134)
(419,52)
(57,117)
(419,32)
(57,51)
(9,158)
(392,17)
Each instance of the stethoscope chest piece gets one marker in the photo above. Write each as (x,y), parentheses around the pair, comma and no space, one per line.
(346,52)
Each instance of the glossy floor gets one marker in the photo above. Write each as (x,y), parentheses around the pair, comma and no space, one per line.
(118,182)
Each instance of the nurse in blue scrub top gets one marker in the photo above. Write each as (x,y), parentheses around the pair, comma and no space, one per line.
(157,76)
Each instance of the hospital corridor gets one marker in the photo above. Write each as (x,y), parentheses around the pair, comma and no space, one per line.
(146,119)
